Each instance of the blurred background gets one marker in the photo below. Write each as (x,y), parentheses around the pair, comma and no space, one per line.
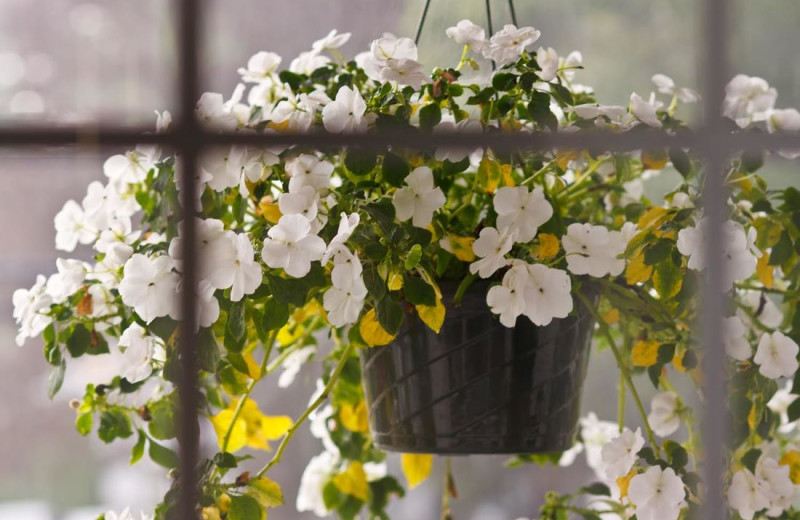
(69,61)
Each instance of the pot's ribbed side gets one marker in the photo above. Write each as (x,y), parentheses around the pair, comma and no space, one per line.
(478,387)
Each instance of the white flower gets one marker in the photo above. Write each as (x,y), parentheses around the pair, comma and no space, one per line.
(163,121)
(292,364)
(619,455)
(207,306)
(299,111)
(102,203)
(634,190)
(102,305)
(491,247)
(65,283)
(521,211)
(419,199)
(664,417)
(307,169)
(665,85)
(125,515)
(548,294)
(317,474)
(745,494)
(734,338)
(507,45)
(780,402)
(246,271)
(344,303)
(394,59)
(785,120)
(309,61)
(777,486)
(508,299)
(596,434)
(548,61)
(645,111)
(615,113)
(760,305)
(73,227)
(140,351)
(217,248)
(657,494)
(748,99)
(212,112)
(467,33)
(570,64)
(150,287)
(29,306)
(291,247)
(300,201)
(347,224)
(346,112)
(739,262)
(776,355)
(131,167)
(119,231)
(333,40)
(260,66)
(594,250)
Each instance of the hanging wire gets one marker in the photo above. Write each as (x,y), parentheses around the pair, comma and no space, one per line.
(489,17)
(422,21)
(513,12)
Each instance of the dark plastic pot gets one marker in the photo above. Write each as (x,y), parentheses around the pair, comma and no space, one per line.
(477,386)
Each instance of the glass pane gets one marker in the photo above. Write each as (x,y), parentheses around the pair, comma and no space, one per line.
(77,61)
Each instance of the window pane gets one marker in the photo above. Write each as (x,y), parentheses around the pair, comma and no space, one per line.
(86,61)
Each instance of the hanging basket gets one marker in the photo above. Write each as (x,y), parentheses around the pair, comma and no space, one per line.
(477,386)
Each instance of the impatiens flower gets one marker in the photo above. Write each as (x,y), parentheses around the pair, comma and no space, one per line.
(467,33)
(119,231)
(615,113)
(521,211)
(300,201)
(595,434)
(292,364)
(419,199)
(140,351)
(508,299)
(746,495)
(780,402)
(150,286)
(762,307)
(291,247)
(65,283)
(344,303)
(347,224)
(619,455)
(125,515)
(260,66)
(785,120)
(734,337)
(645,111)
(316,476)
(346,112)
(212,112)
(131,167)
(777,485)
(102,203)
(548,294)
(776,355)
(665,85)
(309,61)
(657,494)
(216,247)
(748,99)
(491,247)
(664,415)
(548,61)
(226,168)
(333,40)
(394,59)
(739,262)
(298,112)
(346,268)
(507,45)
(29,308)
(73,227)
(594,250)
(246,271)
(307,169)
(569,64)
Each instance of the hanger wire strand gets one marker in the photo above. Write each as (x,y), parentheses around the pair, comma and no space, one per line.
(422,21)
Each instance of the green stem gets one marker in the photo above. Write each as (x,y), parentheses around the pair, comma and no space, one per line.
(623,368)
(316,404)
(462,288)
(448,475)
(621,403)
(542,170)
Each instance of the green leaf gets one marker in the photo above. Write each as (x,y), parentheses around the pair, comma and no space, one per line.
(750,459)
(390,314)
(266,491)
(162,419)
(782,251)
(383,213)
(276,315)
(163,327)
(162,455)
(667,279)
(504,81)
(429,116)
(138,449)
(658,252)
(794,410)
(648,456)
(245,507)
(225,460)
(678,457)
(207,350)
(380,492)
(360,162)
(666,353)
(394,170)
(376,286)
(413,257)
(288,290)
(114,424)
(562,94)
(752,160)
(539,111)
(56,379)
(79,341)
(83,423)
(417,291)
(597,488)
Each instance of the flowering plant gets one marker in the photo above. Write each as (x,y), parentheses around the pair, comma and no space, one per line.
(294,241)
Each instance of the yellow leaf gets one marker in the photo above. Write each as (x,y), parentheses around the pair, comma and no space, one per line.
(508,178)
(224,502)
(766,272)
(211,513)
(792,459)
(289,334)
(462,247)
(266,491)
(489,174)
(636,271)
(751,417)
(312,308)
(222,422)
(354,418)
(563,158)
(611,317)
(279,127)
(677,362)
(548,246)
(645,353)
(395,281)
(416,467)
(654,159)
(271,211)
(372,332)
(253,368)
(353,481)
(624,482)
(652,218)
(433,317)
